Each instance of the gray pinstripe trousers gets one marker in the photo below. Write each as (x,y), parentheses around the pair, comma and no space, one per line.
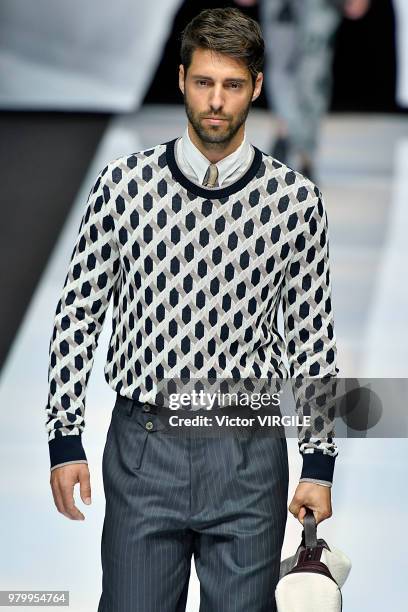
(222,499)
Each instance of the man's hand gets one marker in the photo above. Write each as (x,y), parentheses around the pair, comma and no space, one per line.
(62,480)
(314,496)
(355,9)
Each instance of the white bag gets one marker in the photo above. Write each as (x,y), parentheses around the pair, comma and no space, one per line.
(310,580)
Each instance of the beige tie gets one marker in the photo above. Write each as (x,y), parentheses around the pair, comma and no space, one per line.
(211,176)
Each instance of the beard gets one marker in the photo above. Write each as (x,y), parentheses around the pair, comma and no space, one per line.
(216,135)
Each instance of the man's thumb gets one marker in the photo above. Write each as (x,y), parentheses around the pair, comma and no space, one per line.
(302,514)
(85,490)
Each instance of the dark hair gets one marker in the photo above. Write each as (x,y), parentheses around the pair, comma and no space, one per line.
(224,30)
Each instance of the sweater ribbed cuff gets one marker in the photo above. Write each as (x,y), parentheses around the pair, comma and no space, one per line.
(318,465)
(64,449)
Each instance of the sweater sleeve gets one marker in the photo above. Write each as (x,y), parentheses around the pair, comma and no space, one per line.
(311,343)
(80,313)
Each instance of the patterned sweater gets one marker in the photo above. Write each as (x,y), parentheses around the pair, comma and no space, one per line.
(197,276)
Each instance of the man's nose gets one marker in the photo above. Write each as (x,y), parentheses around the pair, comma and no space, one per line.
(216,99)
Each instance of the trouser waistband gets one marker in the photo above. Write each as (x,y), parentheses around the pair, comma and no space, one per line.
(129,404)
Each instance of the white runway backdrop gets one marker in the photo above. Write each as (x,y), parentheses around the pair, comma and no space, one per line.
(96,55)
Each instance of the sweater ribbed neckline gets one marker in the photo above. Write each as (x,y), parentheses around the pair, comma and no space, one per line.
(210,194)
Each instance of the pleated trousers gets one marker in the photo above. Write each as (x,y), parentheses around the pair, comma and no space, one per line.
(220,499)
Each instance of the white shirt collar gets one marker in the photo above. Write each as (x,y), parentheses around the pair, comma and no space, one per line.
(226,166)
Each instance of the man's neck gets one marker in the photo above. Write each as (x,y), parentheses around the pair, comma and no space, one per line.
(215,152)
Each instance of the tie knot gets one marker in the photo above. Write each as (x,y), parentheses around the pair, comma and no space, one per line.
(211,176)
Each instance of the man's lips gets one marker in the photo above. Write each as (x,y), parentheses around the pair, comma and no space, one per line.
(214,120)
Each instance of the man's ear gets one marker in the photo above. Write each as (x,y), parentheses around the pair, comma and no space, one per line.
(258,86)
(181,78)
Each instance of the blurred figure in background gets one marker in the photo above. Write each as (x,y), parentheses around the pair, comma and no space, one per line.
(299,43)
(401,27)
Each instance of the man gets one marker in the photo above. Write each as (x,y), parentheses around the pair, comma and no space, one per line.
(299,37)
(198,239)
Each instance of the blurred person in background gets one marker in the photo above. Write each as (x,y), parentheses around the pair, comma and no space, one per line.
(299,43)
(401,27)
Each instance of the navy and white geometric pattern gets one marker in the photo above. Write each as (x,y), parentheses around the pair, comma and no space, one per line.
(197,275)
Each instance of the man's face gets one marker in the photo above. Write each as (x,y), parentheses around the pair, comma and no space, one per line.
(218,92)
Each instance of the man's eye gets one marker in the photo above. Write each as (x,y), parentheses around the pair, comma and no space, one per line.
(202,82)
(235,85)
